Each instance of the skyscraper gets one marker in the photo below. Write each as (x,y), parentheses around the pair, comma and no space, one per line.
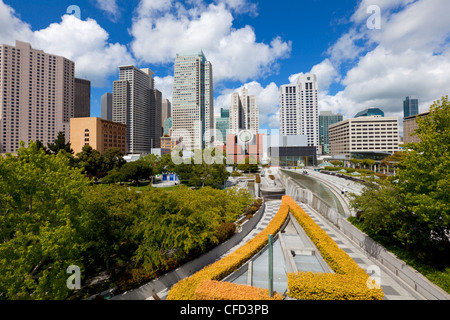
(193,101)
(166,113)
(410,107)
(37,96)
(222,126)
(244,113)
(166,110)
(326,119)
(299,109)
(138,105)
(107,106)
(82,104)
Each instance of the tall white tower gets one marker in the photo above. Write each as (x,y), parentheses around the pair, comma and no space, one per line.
(299,109)
(244,113)
(193,100)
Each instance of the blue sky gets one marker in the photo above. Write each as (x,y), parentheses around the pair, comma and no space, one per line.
(260,44)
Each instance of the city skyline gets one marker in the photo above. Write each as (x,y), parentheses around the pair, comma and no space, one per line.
(357,67)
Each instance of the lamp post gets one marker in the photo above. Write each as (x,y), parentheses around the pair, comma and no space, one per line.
(270,265)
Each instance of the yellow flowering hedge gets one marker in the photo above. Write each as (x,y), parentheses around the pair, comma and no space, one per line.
(348,283)
(216,290)
(185,289)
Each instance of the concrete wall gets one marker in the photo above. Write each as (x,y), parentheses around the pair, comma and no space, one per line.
(171,278)
(411,277)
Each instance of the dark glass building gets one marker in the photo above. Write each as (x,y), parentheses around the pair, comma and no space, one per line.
(82,101)
(410,107)
(223,125)
(326,119)
(293,156)
(370,112)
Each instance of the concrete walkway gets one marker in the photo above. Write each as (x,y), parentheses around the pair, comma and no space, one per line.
(270,210)
(393,287)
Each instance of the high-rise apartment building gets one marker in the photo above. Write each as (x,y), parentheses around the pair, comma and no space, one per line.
(365,137)
(299,109)
(37,96)
(326,119)
(82,105)
(244,113)
(137,104)
(410,107)
(106,110)
(193,100)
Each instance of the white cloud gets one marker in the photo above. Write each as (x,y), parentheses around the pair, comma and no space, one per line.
(11,27)
(110,7)
(83,41)
(266,98)
(241,6)
(326,75)
(346,49)
(160,32)
(165,85)
(408,56)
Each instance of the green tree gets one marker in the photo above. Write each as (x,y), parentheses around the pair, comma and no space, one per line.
(367,163)
(179,223)
(249,165)
(165,164)
(415,209)
(60,144)
(137,170)
(107,218)
(40,200)
(91,161)
(424,177)
(40,145)
(113,159)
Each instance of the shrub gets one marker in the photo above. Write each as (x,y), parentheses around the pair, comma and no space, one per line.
(216,290)
(326,286)
(349,282)
(304,285)
(185,289)
(236,174)
(382,176)
(225,231)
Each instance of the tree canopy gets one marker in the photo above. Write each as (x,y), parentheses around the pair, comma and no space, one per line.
(53,217)
(415,210)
